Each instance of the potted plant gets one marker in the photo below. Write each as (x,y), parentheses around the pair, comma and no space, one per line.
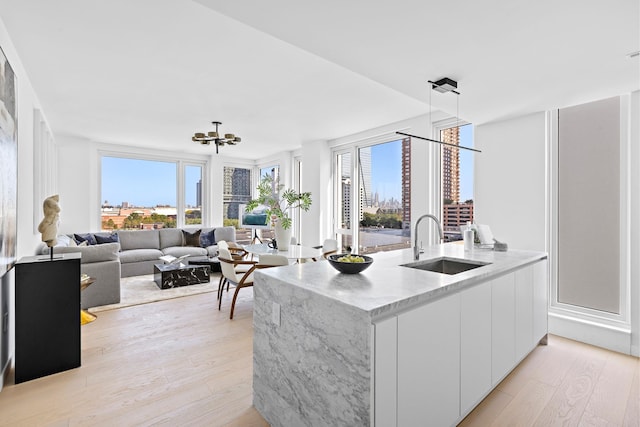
(279,203)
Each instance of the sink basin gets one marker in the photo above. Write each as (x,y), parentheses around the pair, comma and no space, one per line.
(445,265)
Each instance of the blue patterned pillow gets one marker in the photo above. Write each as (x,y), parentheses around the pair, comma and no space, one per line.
(207,239)
(79,238)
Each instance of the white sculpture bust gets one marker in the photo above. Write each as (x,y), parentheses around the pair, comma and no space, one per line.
(49,224)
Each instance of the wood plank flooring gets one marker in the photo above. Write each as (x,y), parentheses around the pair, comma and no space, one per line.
(182,362)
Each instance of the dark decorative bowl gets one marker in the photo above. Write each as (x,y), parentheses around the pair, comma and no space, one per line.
(350,267)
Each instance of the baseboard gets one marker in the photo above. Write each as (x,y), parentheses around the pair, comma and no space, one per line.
(605,336)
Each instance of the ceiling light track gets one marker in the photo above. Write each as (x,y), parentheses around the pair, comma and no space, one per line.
(229,138)
(443,85)
(439,142)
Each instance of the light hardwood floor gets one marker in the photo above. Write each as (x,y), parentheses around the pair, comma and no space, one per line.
(182,362)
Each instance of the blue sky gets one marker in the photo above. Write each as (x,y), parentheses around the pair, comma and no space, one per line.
(386,177)
(145,183)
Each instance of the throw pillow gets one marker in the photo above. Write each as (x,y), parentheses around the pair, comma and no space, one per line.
(83,243)
(191,239)
(79,238)
(106,238)
(207,239)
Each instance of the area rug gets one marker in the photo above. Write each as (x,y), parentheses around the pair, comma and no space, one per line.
(138,290)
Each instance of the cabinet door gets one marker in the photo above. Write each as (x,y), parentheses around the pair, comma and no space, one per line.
(524,312)
(385,368)
(503,354)
(540,300)
(429,364)
(475,345)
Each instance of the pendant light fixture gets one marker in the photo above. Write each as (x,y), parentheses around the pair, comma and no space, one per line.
(207,139)
(443,85)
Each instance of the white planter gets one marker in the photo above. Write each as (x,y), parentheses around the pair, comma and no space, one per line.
(283,237)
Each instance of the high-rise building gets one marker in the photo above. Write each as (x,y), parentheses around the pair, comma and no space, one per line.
(236,190)
(454,215)
(199,193)
(451,165)
(406,183)
(366,194)
(346,202)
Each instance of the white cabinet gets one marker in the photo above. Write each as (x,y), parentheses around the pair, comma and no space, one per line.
(524,312)
(503,354)
(540,300)
(385,378)
(434,363)
(475,348)
(429,364)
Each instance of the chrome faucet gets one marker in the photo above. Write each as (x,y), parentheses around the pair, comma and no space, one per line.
(416,249)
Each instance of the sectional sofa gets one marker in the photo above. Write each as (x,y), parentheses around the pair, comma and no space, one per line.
(123,253)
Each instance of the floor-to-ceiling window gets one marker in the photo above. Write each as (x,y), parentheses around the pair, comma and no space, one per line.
(457,180)
(193,194)
(274,172)
(297,187)
(373,196)
(139,193)
(236,193)
(343,182)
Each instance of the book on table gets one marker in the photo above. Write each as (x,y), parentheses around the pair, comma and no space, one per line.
(170,259)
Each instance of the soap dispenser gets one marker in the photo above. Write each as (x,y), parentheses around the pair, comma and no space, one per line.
(468,237)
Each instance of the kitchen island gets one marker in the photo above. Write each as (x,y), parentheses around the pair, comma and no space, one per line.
(393,346)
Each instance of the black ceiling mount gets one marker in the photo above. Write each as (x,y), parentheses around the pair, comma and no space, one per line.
(445,85)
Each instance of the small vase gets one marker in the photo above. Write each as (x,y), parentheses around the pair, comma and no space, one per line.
(283,237)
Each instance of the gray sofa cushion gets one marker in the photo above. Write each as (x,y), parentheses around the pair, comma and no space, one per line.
(95,253)
(106,288)
(228,234)
(139,239)
(170,237)
(178,251)
(138,255)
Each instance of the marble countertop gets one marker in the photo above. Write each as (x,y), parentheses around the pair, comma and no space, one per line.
(386,288)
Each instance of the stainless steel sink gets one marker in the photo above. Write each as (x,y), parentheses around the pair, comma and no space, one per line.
(445,265)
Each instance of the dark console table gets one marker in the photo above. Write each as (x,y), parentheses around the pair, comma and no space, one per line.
(47,315)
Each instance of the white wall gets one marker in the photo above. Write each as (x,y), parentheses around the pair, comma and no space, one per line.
(316,178)
(634,225)
(510,180)
(78,182)
(27,102)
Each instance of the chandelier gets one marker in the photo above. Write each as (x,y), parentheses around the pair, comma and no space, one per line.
(208,138)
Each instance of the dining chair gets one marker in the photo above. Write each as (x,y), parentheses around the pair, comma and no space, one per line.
(329,246)
(237,251)
(243,280)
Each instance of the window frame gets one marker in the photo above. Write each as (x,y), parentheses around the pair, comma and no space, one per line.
(353,148)
(621,321)
(180,180)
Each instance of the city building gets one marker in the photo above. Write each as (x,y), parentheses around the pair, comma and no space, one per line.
(450,165)
(406,183)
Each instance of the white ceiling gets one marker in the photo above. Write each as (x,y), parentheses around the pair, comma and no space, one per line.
(280,73)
